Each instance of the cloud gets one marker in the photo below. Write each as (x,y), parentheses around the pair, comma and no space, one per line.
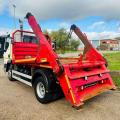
(66,9)
(93,35)
(102,35)
(2,5)
(4,31)
(64,25)
(99,35)
(118,26)
(90,35)
(119,29)
(100,25)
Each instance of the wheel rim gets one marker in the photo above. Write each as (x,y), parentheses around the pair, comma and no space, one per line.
(40,90)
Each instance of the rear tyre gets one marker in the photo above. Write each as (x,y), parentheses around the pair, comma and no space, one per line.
(45,87)
(41,90)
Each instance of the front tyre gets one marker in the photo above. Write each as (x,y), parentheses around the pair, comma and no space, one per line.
(9,73)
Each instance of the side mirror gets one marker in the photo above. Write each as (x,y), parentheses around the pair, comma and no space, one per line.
(6,45)
(4,50)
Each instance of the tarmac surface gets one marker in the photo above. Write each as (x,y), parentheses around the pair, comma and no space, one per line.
(17,102)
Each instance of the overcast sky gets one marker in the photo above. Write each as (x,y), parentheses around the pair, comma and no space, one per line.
(99,19)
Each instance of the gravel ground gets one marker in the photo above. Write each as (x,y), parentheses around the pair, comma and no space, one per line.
(17,102)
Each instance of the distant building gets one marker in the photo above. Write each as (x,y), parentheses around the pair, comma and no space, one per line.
(109,44)
(104,44)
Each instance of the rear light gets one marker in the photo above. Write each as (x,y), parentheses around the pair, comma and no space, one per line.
(86,78)
(102,81)
(82,87)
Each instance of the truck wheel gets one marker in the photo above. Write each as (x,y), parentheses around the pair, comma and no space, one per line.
(45,87)
(41,87)
(9,73)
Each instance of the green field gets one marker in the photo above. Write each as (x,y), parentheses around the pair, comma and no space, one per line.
(113,60)
(117,81)
(114,64)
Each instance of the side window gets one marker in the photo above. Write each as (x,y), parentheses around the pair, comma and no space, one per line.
(7,43)
(25,36)
(29,39)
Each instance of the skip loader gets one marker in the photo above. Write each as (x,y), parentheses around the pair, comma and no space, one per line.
(30,58)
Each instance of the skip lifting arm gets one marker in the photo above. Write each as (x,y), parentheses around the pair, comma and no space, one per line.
(90,52)
(44,45)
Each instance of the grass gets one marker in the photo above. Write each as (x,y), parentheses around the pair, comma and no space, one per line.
(114,64)
(113,60)
(117,81)
(66,51)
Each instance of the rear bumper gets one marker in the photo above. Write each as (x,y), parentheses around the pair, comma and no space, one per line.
(87,94)
(79,90)
(94,91)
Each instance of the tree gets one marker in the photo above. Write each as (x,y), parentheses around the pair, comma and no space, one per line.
(60,37)
(74,44)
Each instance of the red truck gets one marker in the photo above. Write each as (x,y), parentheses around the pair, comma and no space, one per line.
(34,62)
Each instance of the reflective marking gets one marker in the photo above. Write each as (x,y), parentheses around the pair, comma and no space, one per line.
(25,60)
(22,74)
(45,66)
(86,78)
(69,86)
(43,59)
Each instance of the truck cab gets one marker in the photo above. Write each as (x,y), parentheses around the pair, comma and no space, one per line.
(7,56)
(19,36)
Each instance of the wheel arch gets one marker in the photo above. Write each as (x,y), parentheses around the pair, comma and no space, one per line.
(38,73)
